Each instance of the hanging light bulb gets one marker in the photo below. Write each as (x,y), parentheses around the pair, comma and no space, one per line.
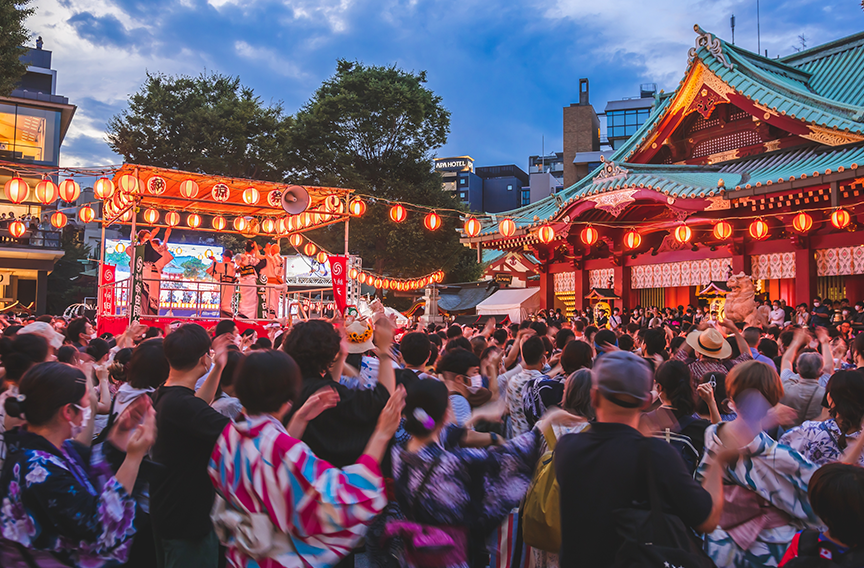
(218,222)
(507,227)
(86,214)
(103,188)
(47,192)
(722,231)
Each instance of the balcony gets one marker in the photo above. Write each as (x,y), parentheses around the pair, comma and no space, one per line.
(36,239)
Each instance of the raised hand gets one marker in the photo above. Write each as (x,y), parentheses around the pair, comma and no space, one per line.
(390,417)
(318,403)
(144,436)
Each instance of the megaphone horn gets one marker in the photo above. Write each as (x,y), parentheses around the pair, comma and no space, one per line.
(295,199)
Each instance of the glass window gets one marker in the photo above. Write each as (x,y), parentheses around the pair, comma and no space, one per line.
(462,181)
(509,188)
(30,134)
(526,197)
(464,196)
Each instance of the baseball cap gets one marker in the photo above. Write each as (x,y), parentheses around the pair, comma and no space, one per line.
(53,338)
(621,373)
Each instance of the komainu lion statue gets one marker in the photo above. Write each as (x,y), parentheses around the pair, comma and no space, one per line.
(740,303)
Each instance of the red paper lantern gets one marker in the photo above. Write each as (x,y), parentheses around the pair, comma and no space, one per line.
(58,219)
(47,192)
(507,227)
(128,184)
(251,196)
(151,216)
(240,224)
(103,188)
(296,240)
(472,227)
(683,234)
(69,190)
(758,229)
(722,231)
(189,189)
(361,278)
(357,207)
(589,235)
(193,220)
(268,226)
(432,221)
(172,219)
(632,240)
(840,219)
(545,234)
(157,185)
(86,214)
(398,213)
(353,273)
(220,192)
(376,283)
(321,257)
(332,202)
(17,190)
(218,223)
(802,222)
(16,229)
(310,249)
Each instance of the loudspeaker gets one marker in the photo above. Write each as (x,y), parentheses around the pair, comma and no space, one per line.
(295,199)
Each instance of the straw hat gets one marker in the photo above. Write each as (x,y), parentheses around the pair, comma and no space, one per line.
(359,335)
(710,343)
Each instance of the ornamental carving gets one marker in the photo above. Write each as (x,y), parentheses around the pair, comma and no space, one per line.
(705,101)
(686,273)
(718,203)
(712,44)
(831,137)
(610,171)
(613,202)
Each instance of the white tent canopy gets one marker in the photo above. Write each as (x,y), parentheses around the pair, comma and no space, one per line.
(516,303)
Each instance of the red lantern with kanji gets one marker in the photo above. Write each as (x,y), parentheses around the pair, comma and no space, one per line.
(151,216)
(683,234)
(357,208)
(507,227)
(218,223)
(632,240)
(17,190)
(103,188)
(432,221)
(722,231)
(172,219)
(16,229)
(589,235)
(193,220)
(802,222)
(86,214)
(758,229)
(251,196)
(47,192)
(189,189)
(398,213)
(472,227)
(840,219)
(58,219)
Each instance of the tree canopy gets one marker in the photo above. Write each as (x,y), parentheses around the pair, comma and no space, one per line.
(210,124)
(13,35)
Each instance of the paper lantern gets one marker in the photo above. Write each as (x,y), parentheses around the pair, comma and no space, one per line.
(398,213)
(103,188)
(840,219)
(220,192)
(353,273)
(172,218)
(472,227)
(157,185)
(58,219)
(683,234)
(240,224)
(632,240)
(377,283)
(507,227)
(361,278)
(268,225)
(722,231)
(296,240)
(251,196)
(16,229)
(305,219)
(310,249)
(357,208)
(758,229)
(69,190)
(17,190)
(86,214)
(126,216)
(193,221)
(47,192)
(128,184)
(321,257)
(189,189)
(332,203)
(589,235)
(802,222)
(151,216)
(432,221)
(218,223)
(545,234)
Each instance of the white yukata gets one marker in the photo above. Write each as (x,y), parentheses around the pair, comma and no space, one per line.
(274,270)
(246,263)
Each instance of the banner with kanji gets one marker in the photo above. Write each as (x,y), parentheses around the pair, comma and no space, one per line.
(137,291)
(338,274)
(107,300)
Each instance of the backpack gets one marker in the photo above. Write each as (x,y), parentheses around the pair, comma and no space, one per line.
(682,443)
(808,554)
(541,518)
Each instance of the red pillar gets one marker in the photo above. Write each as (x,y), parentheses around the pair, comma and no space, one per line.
(622,280)
(741,263)
(581,288)
(547,290)
(805,276)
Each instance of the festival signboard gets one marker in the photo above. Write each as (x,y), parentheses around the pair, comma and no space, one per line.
(339,278)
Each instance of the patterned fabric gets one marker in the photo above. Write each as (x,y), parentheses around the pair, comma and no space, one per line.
(539,393)
(818,441)
(778,474)
(66,501)
(515,387)
(699,367)
(323,510)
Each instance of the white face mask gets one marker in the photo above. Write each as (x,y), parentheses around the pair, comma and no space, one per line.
(476,383)
(85,419)
(816,304)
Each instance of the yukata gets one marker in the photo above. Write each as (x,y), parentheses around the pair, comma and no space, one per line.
(246,264)
(225,274)
(819,442)
(274,270)
(515,387)
(540,394)
(63,501)
(470,488)
(322,510)
(779,476)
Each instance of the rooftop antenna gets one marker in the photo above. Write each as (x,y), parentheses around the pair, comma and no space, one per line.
(732,23)
(758,31)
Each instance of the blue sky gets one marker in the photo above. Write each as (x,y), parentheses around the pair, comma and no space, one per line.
(504,69)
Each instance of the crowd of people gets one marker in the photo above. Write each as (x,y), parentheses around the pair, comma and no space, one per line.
(688,441)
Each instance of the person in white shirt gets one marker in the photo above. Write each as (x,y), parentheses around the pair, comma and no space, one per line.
(777,315)
(615,318)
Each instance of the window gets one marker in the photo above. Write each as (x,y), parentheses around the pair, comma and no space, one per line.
(526,197)
(509,188)
(29,134)
(463,196)
(625,122)
(462,181)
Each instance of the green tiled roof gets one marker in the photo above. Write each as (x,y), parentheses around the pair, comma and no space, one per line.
(781,166)
(836,69)
(676,181)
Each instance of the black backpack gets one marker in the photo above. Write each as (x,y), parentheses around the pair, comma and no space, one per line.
(808,554)
(682,443)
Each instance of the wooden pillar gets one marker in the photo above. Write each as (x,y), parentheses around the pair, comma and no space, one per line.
(622,280)
(741,263)
(805,276)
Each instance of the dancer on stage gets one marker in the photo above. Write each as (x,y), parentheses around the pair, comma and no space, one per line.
(246,264)
(156,257)
(225,273)
(274,270)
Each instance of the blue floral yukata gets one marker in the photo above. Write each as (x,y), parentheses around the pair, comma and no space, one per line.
(64,501)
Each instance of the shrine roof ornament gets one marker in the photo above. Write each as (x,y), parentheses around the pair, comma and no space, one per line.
(712,44)
(609,171)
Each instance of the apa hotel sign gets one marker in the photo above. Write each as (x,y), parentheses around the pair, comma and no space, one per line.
(457,164)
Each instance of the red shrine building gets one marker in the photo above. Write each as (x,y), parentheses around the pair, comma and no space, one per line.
(751,165)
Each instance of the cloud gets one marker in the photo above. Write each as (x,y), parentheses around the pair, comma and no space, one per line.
(107,31)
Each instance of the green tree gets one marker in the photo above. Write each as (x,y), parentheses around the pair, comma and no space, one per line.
(193,269)
(374,129)
(66,285)
(13,35)
(210,124)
